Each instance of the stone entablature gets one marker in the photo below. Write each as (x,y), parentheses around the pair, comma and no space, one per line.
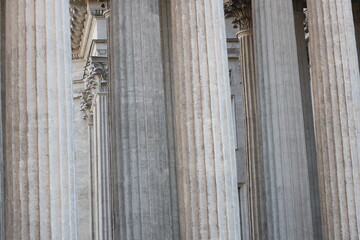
(83,14)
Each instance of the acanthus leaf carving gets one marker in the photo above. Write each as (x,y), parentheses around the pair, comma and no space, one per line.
(241,11)
(95,80)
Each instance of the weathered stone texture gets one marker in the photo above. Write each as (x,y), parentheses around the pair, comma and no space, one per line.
(206,167)
(283,166)
(247,64)
(143,206)
(2,150)
(336,97)
(305,85)
(40,200)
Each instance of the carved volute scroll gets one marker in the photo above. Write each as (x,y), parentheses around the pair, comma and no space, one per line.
(241,11)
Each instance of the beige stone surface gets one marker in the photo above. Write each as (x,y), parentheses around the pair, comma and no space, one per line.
(206,167)
(40,200)
(2,78)
(141,154)
(247,64)
(306,99)
(283,165)
(336,97)
(82,156)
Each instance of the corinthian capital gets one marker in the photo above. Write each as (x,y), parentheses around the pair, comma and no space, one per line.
(241,11)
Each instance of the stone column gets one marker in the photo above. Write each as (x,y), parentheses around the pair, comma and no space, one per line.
(40,200)
(282,149)
(305,86)
(206,167)
(241,11)
(2,115)
(101,151)
(104,198)
(336,100)
(143,206)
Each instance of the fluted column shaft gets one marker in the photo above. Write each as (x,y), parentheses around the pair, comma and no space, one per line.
(247,65)
(143,206)
(282,149)
(2,105)
(101,142)
(40,200)
(336,100)
(206,167)
(305,86)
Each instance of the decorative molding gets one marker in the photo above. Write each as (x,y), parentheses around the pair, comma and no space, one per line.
(78,12)
(77,93)
(241,11)
(233,51)
(82,12)
(95,80)
(98,12)
(98,7)
(306,25)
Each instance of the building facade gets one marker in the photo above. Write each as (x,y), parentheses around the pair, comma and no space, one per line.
(169,119)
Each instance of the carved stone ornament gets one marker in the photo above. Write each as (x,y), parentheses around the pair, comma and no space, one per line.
(306,25)
(78,12)
(95,79)
(241,11)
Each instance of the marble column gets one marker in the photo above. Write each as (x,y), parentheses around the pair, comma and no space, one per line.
(143,206)
(241,11)
(2,79)
(165,23)
(102,157)
(282,149)
(336,100)
(40,190)
(206,167)
(305,86)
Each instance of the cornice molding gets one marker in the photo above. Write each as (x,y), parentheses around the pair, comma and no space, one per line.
(241,11)
(82,14)
(78,12)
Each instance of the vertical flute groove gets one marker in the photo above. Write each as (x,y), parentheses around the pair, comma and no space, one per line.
(282,150)
(141,156)
(39,199)
(2,119)
(336,89)
(205,152)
